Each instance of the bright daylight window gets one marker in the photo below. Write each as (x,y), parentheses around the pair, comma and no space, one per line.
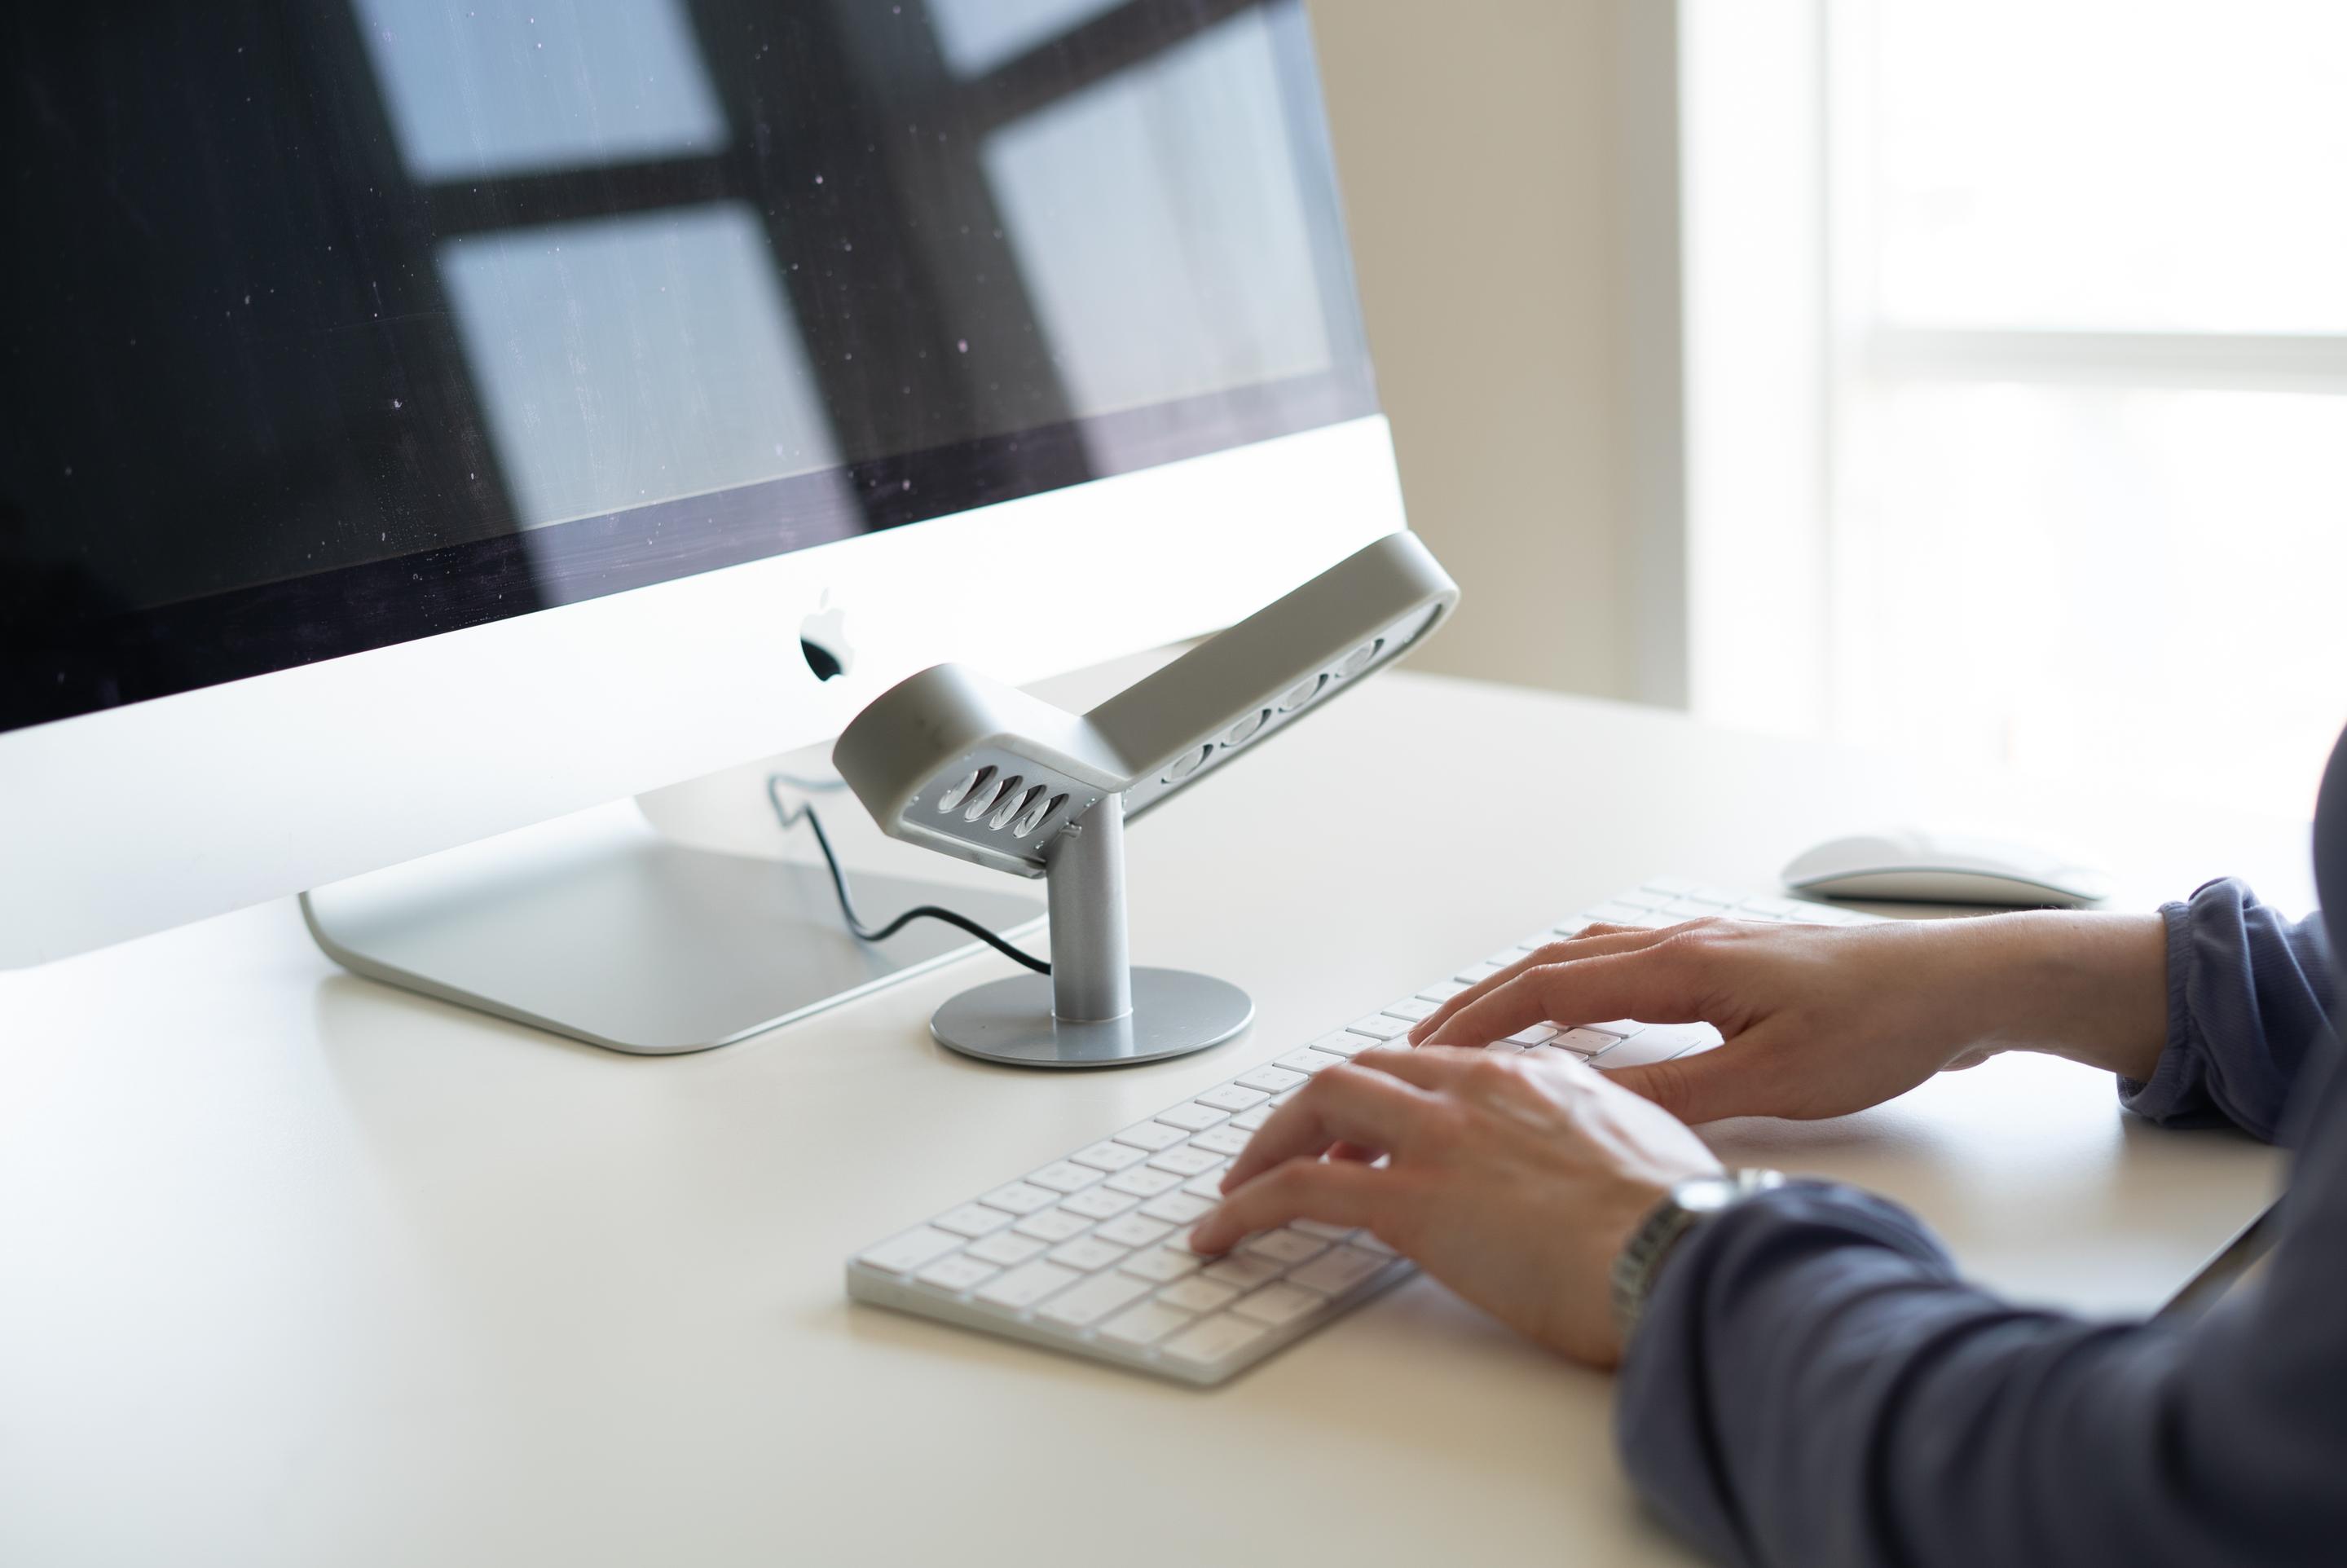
(2081,385)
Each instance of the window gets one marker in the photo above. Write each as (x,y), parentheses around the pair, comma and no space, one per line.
(2056,467)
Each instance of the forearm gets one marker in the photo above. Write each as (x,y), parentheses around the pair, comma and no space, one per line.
(1813,1384)
(2091,987)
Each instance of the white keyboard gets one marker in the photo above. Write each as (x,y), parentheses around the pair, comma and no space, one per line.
(1089,1254)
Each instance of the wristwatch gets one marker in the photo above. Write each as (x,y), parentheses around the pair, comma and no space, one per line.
(1685,1206)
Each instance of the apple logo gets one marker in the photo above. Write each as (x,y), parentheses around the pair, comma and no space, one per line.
(823,640)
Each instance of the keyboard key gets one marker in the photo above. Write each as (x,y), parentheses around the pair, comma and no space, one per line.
(1103,1203)
(1227,1138)
(1316,1228)
(1111,1156)
(1345,1043)
(1053,1225)
(1271,1079)
(1215,1339)
(1243,1273)
(1160,1263)
(1005,1248)
(1337,1270)
(1411,1009)
(1657,1042)
(1088,1252)
(1027,1285)
(1231,1097)
(959,1272)
(1365,1240)
(1197,1293)
(972,1220)
(1538,1034)
(1131,1230)
(1441,991)
(1193,1117)
(1095,1300)
(1309,1062)
(1152,1137)
(1379,1026)
(903,1253)
(1145,1324)
(1586,1041)
(1476,974)
(1063,1177)
(1278,1304)
(1144,1183)
(1248,1121)
(1020,1198)
(1186,1161)
(1177,1209)
(1284,1245)
(1208,1185)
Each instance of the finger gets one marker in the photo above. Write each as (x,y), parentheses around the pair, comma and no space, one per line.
(1656,984)
(1709,1086)
(1334,1192)
(1593,942)
(1432,1068)
(1349,1104)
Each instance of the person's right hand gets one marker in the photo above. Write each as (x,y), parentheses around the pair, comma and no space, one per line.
(1820,1021)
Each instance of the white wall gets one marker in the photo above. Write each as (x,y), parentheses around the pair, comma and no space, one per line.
(1507,176)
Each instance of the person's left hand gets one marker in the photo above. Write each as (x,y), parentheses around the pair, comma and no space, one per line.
(1514,1182)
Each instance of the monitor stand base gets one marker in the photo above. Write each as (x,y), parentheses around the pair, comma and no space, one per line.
(597,928)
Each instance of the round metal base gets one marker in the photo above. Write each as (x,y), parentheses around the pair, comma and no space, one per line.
(1175,1012)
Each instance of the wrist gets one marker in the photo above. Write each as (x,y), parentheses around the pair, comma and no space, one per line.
(2088,986)
(1665,1230)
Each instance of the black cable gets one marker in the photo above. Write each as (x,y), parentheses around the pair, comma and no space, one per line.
(855,926)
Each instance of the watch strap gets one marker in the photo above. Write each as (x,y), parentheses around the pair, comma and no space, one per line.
(1683,1208)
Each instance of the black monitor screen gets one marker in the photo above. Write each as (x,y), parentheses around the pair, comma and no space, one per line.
(332,323)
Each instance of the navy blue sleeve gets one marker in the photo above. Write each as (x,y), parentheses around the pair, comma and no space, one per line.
(1813,1383)
(2246,994)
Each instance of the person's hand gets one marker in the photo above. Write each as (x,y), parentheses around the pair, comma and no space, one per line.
(1820,1021)
(1514,1181)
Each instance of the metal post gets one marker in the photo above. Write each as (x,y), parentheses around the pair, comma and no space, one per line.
(1092,968)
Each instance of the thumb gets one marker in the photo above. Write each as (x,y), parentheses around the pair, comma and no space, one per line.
(1707,1086)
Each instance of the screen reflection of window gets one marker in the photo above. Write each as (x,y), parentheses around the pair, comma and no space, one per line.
(630,360)
(975,35)
(480,88)
(1157,221)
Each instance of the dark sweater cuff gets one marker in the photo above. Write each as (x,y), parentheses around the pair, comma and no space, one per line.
(2175,1094)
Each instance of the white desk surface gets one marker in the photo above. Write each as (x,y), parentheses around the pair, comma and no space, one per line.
(298,1269)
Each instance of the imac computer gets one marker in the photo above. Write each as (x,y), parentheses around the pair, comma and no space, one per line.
(430,419)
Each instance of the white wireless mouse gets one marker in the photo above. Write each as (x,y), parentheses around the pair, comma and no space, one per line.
(1909,866)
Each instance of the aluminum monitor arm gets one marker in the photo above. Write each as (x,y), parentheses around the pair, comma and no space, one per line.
(975,769)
